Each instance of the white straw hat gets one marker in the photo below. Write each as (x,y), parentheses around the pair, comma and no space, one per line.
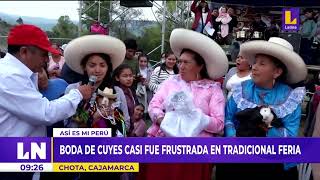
(213,55)
(78,48)
(280,49)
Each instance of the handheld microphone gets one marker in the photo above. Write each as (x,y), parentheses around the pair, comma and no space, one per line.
(92,82)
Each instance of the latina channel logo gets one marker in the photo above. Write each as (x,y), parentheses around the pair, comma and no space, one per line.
(290,19)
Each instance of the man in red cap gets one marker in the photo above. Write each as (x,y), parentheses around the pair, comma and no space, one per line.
(23,110)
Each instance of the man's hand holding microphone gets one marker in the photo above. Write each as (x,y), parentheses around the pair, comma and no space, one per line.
(87,89)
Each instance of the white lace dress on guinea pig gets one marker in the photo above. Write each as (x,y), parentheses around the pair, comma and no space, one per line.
(182,118)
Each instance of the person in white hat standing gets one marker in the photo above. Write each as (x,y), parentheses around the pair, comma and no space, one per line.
(274,66)
(95,56)
(201,61)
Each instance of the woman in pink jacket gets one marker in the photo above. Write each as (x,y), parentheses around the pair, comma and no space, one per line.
(198,66)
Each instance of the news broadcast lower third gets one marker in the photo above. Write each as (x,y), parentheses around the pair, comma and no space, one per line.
(93,150)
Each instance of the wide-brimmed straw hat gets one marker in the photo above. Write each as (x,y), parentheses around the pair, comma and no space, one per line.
(78,48)
(213,55)
(280,49)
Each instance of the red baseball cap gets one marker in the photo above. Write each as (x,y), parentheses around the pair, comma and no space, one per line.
(26,34)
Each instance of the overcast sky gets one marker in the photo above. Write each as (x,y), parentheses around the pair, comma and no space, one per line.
(51,9)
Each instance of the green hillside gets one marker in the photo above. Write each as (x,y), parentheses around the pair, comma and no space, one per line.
(4,29)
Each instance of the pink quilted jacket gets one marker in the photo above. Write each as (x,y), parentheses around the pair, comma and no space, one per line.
(207,95)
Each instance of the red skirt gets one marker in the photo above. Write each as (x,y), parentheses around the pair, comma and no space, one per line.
(166,171)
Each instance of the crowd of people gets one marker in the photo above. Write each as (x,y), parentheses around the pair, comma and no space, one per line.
(99,81)
(226,25)
(310,33)
(223,20)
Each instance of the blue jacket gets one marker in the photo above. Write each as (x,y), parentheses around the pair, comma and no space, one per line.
(284,101)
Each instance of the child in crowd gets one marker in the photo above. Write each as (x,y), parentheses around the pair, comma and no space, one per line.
(143,92)
(164,71)
(56,63)
(144,69)
(224,18)
(139,126)
(123,77)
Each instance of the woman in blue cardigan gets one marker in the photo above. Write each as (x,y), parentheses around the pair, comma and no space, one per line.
(274,66)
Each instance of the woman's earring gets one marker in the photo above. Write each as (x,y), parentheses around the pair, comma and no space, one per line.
(197,76)
(273,82)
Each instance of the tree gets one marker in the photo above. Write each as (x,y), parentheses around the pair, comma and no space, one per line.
(64,29)
(122,19)
(184,14)
(90,12)
(150,40)
(121,16)
(50,34)
(170,24)
(177,16)
(19,20)
(4,30)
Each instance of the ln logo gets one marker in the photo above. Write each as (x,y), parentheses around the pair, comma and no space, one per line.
(290,19)
(34,151)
